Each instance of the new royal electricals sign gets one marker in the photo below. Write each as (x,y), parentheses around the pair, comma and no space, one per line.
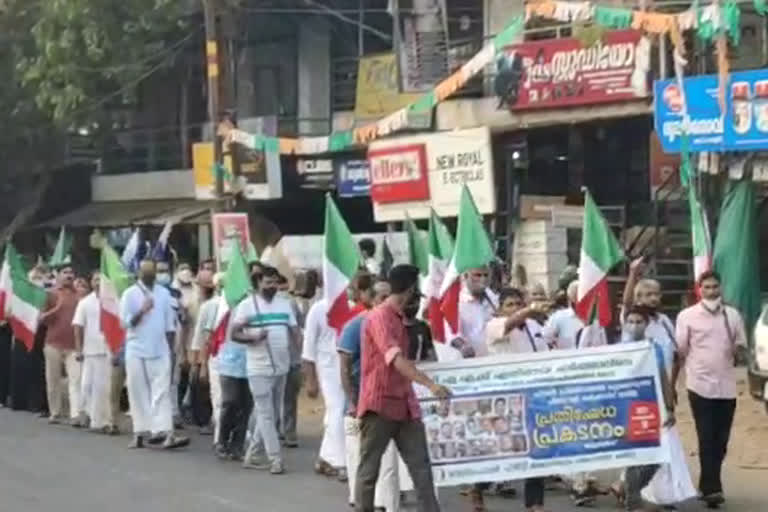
(410,174)
(742,127)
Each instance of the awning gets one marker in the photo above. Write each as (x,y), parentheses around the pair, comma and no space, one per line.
(114,214)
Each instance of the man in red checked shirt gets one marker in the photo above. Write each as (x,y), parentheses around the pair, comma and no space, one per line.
(387,407)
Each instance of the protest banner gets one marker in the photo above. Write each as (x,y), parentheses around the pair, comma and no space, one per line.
(517,416)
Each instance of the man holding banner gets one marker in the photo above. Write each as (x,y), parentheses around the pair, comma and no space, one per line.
(387,406)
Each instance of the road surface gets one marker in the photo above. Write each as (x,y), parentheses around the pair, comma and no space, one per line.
(44,468)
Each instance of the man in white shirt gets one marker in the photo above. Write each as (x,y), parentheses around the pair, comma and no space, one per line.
(199,345)
(477,305)
(97,363)
(565,329)
(368,251)
(322,368)
(147,315)
(267,325)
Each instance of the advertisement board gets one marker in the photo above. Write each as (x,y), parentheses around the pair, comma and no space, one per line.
(565,72)
(450,160)
(352,178)
(228,230)
(521,416)
(742,127)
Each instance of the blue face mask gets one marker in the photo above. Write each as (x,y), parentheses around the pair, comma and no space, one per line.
(164,278)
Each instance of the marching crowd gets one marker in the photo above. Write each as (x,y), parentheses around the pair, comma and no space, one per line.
(245,392)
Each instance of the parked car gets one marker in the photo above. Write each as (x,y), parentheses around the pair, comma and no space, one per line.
(758,364)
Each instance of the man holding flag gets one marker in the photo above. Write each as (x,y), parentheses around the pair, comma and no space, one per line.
(149,320)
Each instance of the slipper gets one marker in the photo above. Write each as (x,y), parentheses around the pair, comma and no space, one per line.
(174,442)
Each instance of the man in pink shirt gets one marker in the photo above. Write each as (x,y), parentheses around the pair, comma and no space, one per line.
(709,335)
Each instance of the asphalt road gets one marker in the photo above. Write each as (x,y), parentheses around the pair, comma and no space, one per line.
(56,468)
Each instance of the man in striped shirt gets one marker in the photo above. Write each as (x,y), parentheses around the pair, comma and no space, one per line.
(267,325)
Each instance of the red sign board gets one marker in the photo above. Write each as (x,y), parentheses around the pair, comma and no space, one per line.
(399,174)
(563,72)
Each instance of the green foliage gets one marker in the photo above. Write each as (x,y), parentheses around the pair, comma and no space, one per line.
(77,53)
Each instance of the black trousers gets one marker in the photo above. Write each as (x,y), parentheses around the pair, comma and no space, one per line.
(5,363)
(236,407)
(27,376)
(533,491)
(714,419)
(375,434)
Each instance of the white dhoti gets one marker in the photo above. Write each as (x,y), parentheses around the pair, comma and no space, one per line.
(387,485)
(215,388)
(95,388)
(672,482)
(329,376)
(149,381)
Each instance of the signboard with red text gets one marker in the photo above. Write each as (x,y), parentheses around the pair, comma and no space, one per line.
(566,72)
(411,174)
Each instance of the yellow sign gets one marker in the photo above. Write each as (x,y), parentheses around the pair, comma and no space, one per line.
(202,162)
(378,94)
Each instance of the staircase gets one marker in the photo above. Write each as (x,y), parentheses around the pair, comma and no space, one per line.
(669,245)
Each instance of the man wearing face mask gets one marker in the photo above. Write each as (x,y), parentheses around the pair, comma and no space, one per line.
(370,295)
(710,336)
(647,293)
(387,407)
(267,325)
(147,314)
(477,305)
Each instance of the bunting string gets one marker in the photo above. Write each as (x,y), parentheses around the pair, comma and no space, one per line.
(713,24)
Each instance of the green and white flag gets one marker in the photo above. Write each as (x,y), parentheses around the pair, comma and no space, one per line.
(600,252)
(21,300)
(702,243)
(473,250)
(417,249)
(114,280)
(61,255)
(439,252)
(341,260)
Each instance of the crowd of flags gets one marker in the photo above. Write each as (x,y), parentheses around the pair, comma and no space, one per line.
(440,258)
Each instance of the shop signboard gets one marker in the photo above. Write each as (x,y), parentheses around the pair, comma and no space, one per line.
(352,178)
(743,126)
(411,174)
(259,173)
(378,92)
(566,72)
(315,173)
(229,229)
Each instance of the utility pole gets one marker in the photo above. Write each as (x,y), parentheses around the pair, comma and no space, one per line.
(212,65)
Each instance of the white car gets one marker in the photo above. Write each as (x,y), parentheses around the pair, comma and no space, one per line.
(758,364)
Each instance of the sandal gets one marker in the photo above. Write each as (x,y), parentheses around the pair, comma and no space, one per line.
(617,490)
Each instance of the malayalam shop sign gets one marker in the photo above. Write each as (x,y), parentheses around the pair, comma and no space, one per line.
(565,72)
(744,127)
(410,174)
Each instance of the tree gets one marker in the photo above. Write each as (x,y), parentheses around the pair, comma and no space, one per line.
(64,64)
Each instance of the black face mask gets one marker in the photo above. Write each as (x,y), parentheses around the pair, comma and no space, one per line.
(410,311)
(269,293)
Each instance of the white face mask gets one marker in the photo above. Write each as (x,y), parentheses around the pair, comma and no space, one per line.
(712,304)
(185,276)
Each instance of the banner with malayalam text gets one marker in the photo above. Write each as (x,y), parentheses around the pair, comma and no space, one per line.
(526,415)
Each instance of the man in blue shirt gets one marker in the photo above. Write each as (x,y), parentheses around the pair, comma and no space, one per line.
(350,349)
(147,315)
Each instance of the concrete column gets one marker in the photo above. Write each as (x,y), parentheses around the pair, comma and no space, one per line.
(314,80)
